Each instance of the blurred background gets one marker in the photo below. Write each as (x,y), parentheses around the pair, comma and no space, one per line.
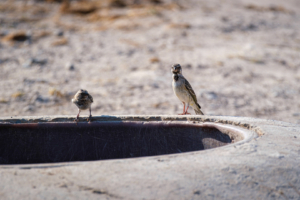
(241,57)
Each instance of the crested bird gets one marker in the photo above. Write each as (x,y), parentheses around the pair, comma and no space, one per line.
(184,91)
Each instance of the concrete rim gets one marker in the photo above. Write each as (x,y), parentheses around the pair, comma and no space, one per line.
(243,131)
(265,167)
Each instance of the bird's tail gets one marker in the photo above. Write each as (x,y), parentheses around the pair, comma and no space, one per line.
(198,111)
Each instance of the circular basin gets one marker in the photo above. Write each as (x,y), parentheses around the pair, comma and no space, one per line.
(149,157)
(50,142)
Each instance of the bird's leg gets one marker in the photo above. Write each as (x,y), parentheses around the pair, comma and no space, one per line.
(183,113)
(90,117)
(77,118)
(186,113)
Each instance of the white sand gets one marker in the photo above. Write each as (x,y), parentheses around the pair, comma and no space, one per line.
(241,58)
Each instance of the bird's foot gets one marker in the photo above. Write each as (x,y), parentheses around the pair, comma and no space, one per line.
(89,119)
(186,113)
(76,120)
(182,114)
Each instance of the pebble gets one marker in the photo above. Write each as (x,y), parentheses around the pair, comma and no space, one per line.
(70,66)
(59,33)
(202,66)
(28,108)
(130,52)
(32,61)
(197,192)
(39,61)
(155,85)
(41,99)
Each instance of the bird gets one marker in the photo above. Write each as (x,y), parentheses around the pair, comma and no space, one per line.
(83,100)
(184,91)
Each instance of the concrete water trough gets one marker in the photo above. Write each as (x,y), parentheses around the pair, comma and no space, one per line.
(149,157)
(48,142)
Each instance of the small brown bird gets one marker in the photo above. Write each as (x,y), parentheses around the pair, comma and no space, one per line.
(83,100)
(184,91)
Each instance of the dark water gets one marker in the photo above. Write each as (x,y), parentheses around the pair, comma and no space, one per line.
(62,142)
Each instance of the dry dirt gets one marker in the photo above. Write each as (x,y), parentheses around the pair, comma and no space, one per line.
(242,57)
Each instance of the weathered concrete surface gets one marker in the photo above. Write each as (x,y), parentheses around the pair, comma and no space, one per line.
(267,167)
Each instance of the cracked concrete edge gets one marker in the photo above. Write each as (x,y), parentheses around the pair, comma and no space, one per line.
(244,122)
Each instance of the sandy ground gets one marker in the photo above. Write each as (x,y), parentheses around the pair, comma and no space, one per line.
(242,57)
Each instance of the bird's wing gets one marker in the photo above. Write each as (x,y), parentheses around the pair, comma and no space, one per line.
(90,98)
(86,97)
(191,91)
